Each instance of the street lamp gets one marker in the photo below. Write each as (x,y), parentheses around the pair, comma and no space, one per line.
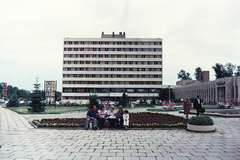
(168,94)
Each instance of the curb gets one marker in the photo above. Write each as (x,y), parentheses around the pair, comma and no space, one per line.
(33,124)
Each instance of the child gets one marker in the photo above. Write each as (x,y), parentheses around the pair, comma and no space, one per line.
(125,119)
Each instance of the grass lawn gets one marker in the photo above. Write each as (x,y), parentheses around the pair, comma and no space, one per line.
(127,107)
(179,108)
(51,110)
(161,110)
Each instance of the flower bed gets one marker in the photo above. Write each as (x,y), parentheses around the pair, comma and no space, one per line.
(137,120)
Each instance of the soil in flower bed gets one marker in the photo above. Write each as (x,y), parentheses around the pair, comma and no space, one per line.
(144,119)
(147,118)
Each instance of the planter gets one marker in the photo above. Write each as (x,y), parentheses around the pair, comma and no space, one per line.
(200,128)
(137,120)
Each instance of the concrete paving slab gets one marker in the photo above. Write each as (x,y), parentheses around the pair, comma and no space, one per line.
(18,137)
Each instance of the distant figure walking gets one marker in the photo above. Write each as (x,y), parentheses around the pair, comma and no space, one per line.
(197,104)
(186,106)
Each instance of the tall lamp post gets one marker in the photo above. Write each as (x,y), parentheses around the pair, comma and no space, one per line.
(168,94)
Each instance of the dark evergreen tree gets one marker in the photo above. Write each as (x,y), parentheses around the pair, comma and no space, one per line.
(93,100)
(13,101)
(153,102)
(140,102)
(124,100)
(58,95)
(36,98)
(164,94)
(144,100)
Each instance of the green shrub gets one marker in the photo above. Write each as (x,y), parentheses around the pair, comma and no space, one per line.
(201,120)
(93,100)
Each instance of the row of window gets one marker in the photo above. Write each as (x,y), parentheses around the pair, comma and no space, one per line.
(114,62)
(101,98)
(110,56)
(111,43)
(112,76)
(111,82)
(110,69)
(115,49)
(107,90)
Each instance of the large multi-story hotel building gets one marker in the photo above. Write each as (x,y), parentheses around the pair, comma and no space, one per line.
(111,65)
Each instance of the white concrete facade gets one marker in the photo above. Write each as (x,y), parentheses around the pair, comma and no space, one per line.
(110,66)
(222,89)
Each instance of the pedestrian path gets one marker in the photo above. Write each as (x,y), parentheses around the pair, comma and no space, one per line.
(18,140)
(10,121)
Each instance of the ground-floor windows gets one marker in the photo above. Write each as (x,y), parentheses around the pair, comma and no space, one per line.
(108,90)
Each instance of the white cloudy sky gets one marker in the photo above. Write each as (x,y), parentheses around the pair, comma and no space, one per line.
(195,33)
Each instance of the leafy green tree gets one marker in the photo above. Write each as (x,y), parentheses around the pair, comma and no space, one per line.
(124,100)
(183,75)
(153,101)
(164,94)
(219,70)
(36,98)
(237,73)
(13,101)
(229,69)
(223,70)
(197,71)
(1,90)
(93,100)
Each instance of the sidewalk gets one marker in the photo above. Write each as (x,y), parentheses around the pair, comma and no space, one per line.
(10,121)
(20,141)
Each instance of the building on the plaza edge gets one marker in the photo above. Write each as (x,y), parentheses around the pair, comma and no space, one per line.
(111,65)
(224,89)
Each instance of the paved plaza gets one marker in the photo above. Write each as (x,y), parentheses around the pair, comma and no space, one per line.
(19,140)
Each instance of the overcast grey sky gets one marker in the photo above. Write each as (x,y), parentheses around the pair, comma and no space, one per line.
(194,33)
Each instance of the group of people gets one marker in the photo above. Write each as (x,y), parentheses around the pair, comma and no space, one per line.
(226,105)
(120,117)
(187,105)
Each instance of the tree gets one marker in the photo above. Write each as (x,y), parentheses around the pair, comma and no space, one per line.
(13,101)
(153,102)
(229,69)
(144,99)
(197,71)
(237,73)
(219,70)
(124,100)
(93,100)
(36,98)
(223,71)
(58,96)
(1,90)
(140,102)
(164,94)
(183,75)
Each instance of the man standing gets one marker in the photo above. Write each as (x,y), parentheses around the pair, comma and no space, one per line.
(197,104)
(92,115)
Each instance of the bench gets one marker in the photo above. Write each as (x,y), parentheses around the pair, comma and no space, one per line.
(169,107)
(91,123)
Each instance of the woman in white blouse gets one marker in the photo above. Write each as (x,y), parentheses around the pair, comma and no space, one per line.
(112,118)
(102,113)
